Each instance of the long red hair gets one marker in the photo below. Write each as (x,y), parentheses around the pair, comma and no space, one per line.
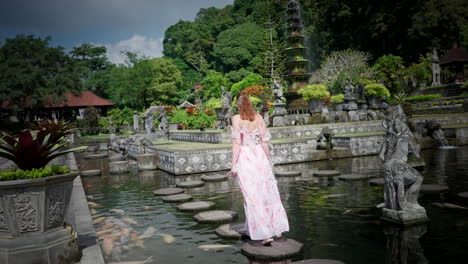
(246,109)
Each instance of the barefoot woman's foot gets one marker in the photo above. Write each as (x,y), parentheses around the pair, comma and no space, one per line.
(267,242)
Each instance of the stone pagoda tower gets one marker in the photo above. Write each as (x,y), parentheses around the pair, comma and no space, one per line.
(297,75)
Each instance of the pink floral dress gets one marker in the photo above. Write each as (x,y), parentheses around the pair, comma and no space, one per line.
(265,215)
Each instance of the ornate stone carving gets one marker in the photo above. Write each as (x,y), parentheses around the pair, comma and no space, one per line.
(26,211)
(402,182)
(3,221)
(56,199)
(227,112)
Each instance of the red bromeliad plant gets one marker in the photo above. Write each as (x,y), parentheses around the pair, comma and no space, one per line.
(35,149)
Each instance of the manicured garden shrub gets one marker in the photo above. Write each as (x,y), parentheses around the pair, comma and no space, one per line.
(10,175)
(314,91)
(418,98)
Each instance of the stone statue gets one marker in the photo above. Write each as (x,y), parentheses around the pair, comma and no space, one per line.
(435,68)
(324,139)
(349,90)
(163,122)
(227,112)
(402,182)
(149,123)
(266,118)
(432,129)
(277,91)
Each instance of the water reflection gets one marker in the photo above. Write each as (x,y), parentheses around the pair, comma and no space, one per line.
(403,244)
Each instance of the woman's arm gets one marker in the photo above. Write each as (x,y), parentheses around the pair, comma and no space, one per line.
(235,144)
(265,137)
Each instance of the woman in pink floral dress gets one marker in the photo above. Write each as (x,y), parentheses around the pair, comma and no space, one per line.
(251,163)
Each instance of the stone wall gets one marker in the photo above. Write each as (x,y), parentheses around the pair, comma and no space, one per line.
(361,145)
(199,136)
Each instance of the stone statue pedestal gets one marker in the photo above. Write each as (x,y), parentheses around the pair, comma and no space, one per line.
(278,115)
(350,104)
(405,217)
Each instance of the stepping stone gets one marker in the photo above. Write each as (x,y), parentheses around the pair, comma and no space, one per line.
(90,173)
(195,206)
(288,173)
(215,216)
(190,184)
(183,197)
(167,191)
(463,195)
(353,177)
(240,228)
(326,173)
(225,231)
(95,156)
(277,251)
(214,178)
(433,188)
(318,261)
(116,158)
(377,182)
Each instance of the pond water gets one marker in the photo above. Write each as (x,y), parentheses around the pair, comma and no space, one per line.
(333,219)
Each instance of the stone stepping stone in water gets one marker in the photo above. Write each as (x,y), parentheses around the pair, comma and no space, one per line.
(287,173)
(90,172)
(277,251)
(433,188)
(183,197)
(353,177)
(95,156)
(326,173)
(215,216)
(214,178)
(167,191)
(226,231)
(190,184)
(195,206)
(318,261)
(377,182)
(463,195)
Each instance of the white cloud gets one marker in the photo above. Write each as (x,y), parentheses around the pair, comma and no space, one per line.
(141,45)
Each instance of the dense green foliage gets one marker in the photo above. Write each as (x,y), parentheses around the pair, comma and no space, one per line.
(419,98)
(10,175)
(31,72)
(336,99)
(376,89)
(192,118)
(314,91)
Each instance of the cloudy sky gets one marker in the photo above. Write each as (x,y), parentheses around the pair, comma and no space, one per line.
(135,25)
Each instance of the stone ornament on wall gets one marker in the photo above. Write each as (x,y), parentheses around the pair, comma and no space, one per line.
(26,210)
(3,222)
(56,201)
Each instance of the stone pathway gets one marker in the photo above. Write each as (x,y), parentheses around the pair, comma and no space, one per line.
(215,216)
(463,195)
(214,178)
(195,206)
(167,191)
(190,184)
(377,182)
(95,156)
(90,172)
(282,249)
(433,188)
(225,231)
(183,197)
(326,173)
(353,177)
(287,173)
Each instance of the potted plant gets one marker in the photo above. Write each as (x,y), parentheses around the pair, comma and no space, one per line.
(337,100)
(35,197)
(314,93)
(420,74)
(375,92)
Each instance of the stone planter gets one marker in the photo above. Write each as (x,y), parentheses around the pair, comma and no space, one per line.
(118,167)
(315,105)
(373,101)
(32,215)
(338,107)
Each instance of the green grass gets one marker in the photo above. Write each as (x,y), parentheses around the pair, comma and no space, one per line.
(10,175)
(455,125)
